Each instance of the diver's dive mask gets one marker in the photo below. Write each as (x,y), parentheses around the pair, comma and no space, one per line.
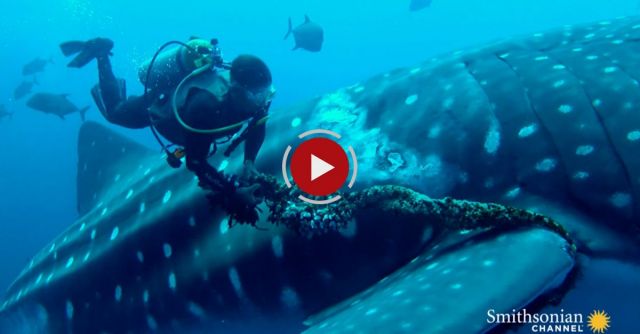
(261,97)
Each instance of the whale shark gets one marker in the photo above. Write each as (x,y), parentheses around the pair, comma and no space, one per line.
(546,123)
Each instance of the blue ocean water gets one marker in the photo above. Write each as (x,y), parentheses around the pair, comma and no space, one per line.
(362,38)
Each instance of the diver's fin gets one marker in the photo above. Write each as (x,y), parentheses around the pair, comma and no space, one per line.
(83,112)
(290,29)
(307,19)
(87,51)
(71,47)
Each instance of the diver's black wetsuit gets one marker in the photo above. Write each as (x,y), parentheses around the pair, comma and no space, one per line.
(201,108)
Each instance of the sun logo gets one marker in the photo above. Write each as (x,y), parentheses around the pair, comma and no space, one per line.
(598,321)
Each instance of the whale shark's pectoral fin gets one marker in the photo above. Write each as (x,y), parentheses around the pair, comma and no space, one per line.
(459,285)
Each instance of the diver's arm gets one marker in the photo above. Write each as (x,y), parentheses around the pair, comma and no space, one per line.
(198,105)
(254,141)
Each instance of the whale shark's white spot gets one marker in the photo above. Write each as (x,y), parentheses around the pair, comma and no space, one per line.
(93,234)
(151,322)
(559,83)
(147,171)
(591,57)
(49,278)
(411,99)
(69,309)
(277,247)
(289,297)
(584,150)
(196,252)
(633,135)
(448,103)
(196,310)
(167,197)
(620,199)
(52,248)
(492,139)
(166,249)
(172,281)
(512,193)
(446,271)
(432,266)
(456,286)
(234,277)
(597,102)
(609,69)
(488,263)
(504,55)
(86,256)
(82,226)
(142,208)
(397,293)
(371,311)
(528,130)
(433,166)
(114,233)
(129,194)
(358,89)
(117,178)
(223,165)
(415,70)
(69,262)
(296,122)
(39,279)
(546,165)
(559,67)
(581,175)
(104,211)
(448,87)
(140,256)
(145,296)
(617,41)
(192,221)
(351,230)
(565,108)
(434,131)
(541,58)
(576,49)
(117,294)
(589,35)
(538,35)
(224,226)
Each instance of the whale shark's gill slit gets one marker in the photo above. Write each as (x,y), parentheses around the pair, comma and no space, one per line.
(535,113)
(616,153)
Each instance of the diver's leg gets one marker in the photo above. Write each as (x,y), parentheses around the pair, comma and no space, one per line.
(118,109)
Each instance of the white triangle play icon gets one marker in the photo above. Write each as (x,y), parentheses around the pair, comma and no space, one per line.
(319,167)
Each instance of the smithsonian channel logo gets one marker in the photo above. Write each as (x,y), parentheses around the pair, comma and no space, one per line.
(597,322)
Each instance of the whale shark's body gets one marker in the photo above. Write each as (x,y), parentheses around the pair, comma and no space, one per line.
(548,122)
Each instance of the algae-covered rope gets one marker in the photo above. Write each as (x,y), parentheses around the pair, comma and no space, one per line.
(449,214)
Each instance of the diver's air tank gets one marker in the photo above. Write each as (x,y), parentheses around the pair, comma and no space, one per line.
(174,64)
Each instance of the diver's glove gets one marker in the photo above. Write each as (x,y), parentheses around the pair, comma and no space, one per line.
(239,201)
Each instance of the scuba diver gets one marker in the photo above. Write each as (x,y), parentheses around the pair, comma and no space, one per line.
(196,101)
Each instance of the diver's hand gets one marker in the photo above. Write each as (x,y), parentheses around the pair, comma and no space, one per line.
(249,195)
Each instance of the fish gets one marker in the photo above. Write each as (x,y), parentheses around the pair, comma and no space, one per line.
(56,104)
(149,254)
(23,89)
(417,5)
(36,66)
(308,36)
(4,113)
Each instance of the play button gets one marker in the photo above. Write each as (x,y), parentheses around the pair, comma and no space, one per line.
(319,166)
